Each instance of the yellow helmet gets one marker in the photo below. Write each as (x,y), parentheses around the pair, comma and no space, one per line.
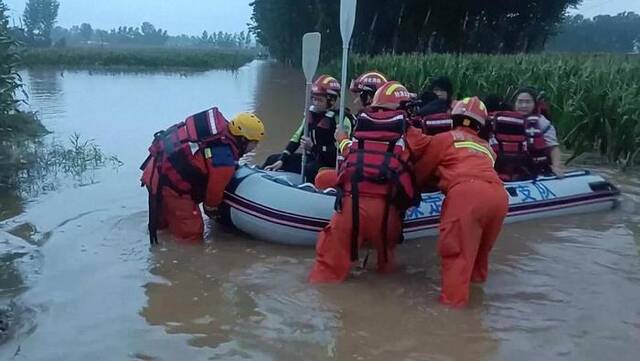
(247,125)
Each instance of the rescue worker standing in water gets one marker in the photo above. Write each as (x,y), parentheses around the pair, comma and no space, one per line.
(178,180)
(320,145)
(375,186)
(476,202)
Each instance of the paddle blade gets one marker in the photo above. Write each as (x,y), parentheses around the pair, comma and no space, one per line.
(310,54)
(347,19)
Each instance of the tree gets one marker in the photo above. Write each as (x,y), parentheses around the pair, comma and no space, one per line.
(153,36)
(403,26)
(86,31)
(101,35)
(39,18)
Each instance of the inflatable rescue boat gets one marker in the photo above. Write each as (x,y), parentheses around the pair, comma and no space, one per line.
(274,207)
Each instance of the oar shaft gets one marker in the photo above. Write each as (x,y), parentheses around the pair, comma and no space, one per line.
(307,104)
(343,82)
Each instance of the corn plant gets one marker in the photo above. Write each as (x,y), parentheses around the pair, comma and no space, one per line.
(594,99)
(10,81)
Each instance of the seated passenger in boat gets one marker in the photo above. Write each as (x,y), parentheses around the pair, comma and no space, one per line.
(524,139)
(320,144)
(434,116)
(364,87)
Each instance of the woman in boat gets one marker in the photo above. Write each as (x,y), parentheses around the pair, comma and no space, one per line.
(528,102)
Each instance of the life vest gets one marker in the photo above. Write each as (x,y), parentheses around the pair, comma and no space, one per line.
(519,143)
(171,162)
(377,164)
(322,128)
(434,123)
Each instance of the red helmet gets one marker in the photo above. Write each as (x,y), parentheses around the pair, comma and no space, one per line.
(390,95)
(326,85)
(370,81)
(472,108)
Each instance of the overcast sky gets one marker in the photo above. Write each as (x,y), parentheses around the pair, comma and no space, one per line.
(194,16)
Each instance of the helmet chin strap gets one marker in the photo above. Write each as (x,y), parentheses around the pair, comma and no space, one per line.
(314,109)
(331,102)
(242,143)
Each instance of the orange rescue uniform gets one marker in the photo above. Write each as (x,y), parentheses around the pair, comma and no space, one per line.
(181,212)
(474,207)
(379,222)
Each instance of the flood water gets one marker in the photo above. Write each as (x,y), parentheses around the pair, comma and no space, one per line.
(87,286)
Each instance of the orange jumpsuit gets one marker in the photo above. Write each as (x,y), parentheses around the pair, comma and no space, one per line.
(327,178)
(181,213)
(333,249)
(474,208)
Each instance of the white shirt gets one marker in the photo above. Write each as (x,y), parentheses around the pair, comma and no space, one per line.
(550,134)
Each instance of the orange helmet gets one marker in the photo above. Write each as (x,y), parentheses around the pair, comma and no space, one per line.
(370,81)
(390,95)
(472,108)
(326,85)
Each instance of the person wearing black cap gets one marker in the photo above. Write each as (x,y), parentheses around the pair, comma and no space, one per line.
(443,88)
(438,97)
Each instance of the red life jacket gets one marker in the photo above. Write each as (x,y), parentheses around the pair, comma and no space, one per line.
(519,144)
(377,165)
(171,163)
(434,123)
(538,150)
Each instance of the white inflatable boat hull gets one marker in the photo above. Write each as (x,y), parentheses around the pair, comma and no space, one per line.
(271,207)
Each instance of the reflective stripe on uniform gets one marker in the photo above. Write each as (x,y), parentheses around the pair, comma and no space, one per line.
(212,121)
(477,147)
(343,144)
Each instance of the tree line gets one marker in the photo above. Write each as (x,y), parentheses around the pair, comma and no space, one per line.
(603,33)
(405,26)
(37,28)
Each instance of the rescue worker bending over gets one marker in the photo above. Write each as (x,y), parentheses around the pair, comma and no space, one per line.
(376,186)
(320,145)
(178,180)
(475,204)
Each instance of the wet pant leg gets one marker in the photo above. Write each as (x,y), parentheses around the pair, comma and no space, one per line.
(182,216)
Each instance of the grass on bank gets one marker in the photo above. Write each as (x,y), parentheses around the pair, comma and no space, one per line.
(202,59)
(20,126)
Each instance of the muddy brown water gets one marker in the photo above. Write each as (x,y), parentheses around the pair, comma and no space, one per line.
(92,289)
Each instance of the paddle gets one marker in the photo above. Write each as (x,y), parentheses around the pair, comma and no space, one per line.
(347,21)
(310,58)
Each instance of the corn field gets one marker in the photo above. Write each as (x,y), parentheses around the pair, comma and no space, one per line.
(594,99)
